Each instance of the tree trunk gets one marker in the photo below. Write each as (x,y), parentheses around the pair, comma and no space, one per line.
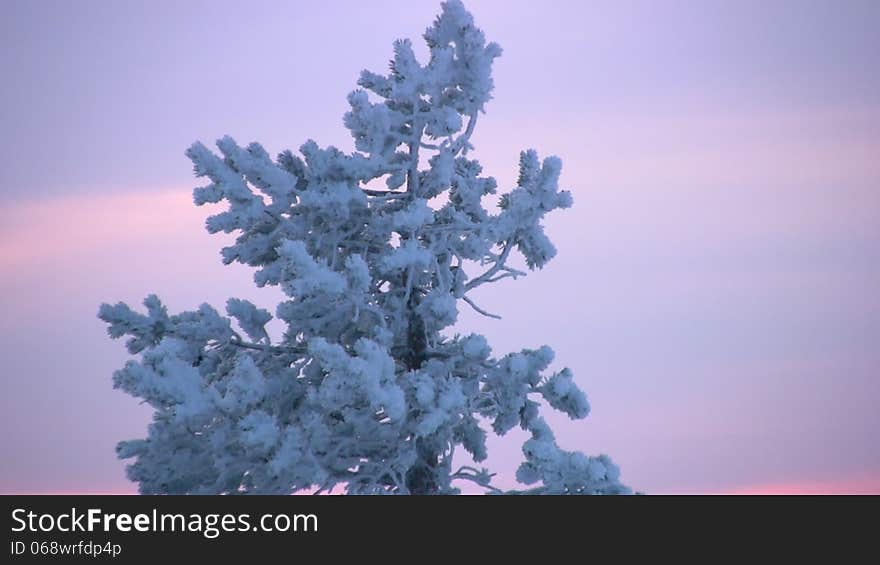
(422,476)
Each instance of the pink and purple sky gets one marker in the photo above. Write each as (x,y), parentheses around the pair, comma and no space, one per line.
(717,288)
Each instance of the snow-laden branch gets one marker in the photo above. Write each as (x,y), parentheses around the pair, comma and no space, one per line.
(463,140)
(498,265)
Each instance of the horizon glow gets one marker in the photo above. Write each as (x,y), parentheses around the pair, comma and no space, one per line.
(724,244)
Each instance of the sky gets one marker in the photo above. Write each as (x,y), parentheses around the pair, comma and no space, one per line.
(716,286)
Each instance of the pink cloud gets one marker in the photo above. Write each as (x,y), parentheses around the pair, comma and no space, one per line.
(83,225)
(869,484)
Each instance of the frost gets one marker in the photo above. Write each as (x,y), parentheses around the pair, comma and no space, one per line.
(409,255)
(252,320)
(561,393)
(305,276)
(364,390)
(414,216)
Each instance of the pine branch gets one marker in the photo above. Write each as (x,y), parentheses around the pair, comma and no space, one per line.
(383,193)
(237,341)
(497,266)
(480,310)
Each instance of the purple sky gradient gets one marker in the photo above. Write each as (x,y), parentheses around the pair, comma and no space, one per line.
(716,288)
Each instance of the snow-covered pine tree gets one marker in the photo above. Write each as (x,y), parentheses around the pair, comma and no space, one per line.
(364,390)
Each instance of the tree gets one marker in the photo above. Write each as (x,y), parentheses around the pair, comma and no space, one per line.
(364,390)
